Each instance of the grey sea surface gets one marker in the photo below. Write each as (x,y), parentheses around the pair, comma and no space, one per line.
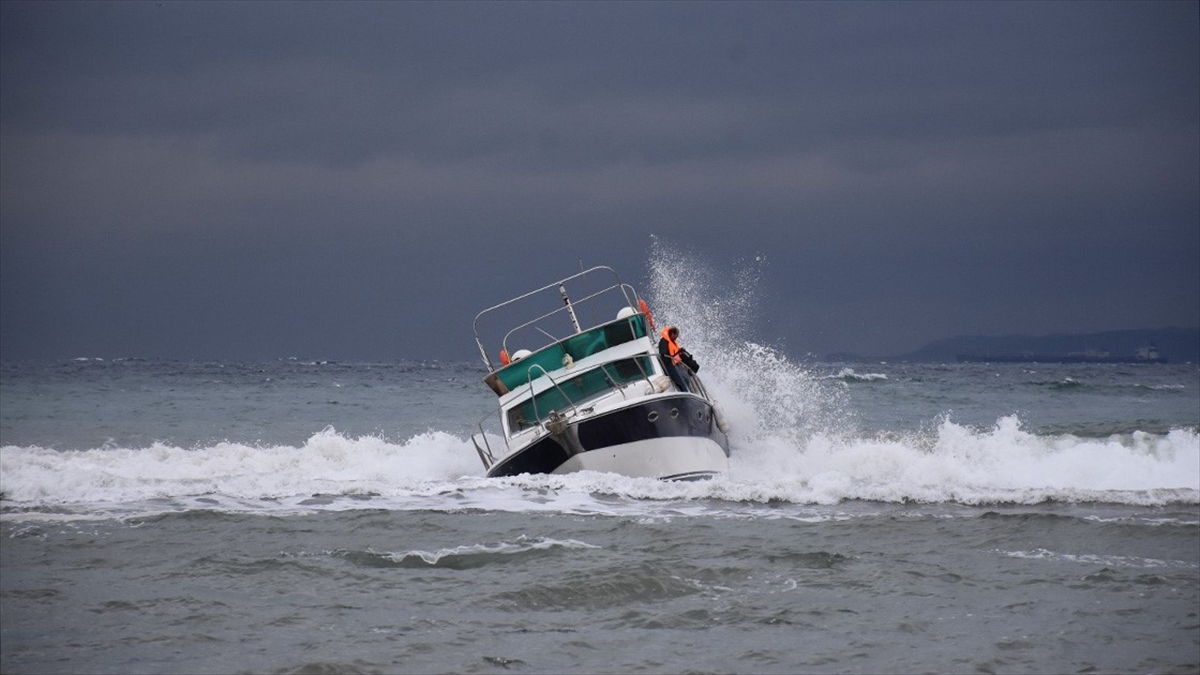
(303,517)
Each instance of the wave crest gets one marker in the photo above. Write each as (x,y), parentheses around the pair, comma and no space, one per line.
(949,464)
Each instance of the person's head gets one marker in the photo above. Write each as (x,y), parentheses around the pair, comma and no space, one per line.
(673,332)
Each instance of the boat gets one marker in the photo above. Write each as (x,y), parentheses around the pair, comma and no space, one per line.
(593,396)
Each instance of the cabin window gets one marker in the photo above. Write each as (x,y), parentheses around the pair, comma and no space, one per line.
(578,390)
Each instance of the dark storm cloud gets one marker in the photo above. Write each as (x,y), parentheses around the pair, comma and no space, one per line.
(913,170)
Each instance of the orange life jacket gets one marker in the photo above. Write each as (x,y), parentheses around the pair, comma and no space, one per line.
(672,347)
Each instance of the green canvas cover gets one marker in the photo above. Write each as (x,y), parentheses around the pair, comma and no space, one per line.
(579,346)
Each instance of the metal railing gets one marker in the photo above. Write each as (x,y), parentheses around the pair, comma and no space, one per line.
(629,297)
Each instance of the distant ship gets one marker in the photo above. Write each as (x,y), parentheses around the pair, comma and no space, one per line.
(1147,354)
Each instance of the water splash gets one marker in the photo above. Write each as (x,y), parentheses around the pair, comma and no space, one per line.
(769,399)
(793,441)
(331,472)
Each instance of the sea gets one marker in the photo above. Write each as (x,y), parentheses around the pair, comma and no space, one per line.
(314,516)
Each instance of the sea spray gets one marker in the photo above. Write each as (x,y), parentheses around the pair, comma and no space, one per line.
(795,438)
(768,398)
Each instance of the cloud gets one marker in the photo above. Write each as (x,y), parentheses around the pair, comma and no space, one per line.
(893,157)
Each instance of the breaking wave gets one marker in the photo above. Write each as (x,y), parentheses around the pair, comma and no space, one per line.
(792,439)
(437,471)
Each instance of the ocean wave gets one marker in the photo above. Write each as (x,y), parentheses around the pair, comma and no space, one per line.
(951,464)
(1109,561)
(1071,384)
(849,375)
(328,463)
(465,557)
(1065,384)
(794,441)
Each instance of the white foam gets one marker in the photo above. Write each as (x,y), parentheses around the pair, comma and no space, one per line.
(438,471)
(792,442)
(955,463)
(327,463)
(848,375)
(1109,561)
(521,545)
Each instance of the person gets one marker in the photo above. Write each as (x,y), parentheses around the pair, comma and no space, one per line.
(675,358)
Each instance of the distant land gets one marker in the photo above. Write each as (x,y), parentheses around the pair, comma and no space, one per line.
(1176,345)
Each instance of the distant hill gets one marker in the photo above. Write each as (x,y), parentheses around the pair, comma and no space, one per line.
(1177,345)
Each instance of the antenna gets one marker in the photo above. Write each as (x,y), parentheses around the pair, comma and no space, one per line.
(570,310)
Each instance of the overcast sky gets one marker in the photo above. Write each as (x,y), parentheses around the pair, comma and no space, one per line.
(356,181)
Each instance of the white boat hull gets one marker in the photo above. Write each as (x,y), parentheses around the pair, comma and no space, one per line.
(672,458)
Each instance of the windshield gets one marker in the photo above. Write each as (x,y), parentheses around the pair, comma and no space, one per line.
(577,390)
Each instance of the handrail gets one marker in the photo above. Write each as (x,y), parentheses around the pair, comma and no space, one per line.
(693,377)
(645,376)
(531,322)
(533,397)
(627,292)
(554,284)
(485,451)
(603,367)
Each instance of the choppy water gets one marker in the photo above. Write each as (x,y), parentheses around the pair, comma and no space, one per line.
(295,516)
(325,517)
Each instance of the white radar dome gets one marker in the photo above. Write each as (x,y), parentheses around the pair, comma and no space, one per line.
(520,354)
(626,312)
